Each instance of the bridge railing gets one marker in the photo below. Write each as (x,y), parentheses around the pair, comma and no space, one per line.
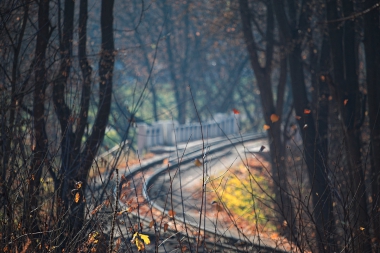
(168,133)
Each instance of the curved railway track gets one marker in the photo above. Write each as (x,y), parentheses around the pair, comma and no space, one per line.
(151,181)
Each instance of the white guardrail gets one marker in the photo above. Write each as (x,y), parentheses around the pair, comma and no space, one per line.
(168,133)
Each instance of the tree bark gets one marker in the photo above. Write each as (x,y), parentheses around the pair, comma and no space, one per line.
(313,150)
(343,52)
(277,148)
(39,150)
(372,57)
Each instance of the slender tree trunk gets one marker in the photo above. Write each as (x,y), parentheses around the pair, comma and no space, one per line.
(372,55)
(39,150)
(343,51)
(77,164)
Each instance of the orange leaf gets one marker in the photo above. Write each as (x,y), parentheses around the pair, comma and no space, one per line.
(165,161)
(171,213)
(78,184)
(77,197)
(266,127)
(117,246)
(219,207)
(166,225)
(345,101)
(236,111)
(97,209)
(197,163)
(151,224)
(306,111)
(274,118)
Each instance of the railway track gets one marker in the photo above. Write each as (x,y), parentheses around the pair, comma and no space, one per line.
(149,185)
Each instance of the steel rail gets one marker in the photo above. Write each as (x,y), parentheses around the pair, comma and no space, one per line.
(192,153)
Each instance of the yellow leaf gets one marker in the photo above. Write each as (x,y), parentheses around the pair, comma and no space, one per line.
(274,118)
(93,237)
(140,240)
(266,127)
(77,197)
(197,163)
(145,238)
(139,244)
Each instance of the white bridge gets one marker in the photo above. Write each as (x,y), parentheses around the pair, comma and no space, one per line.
(168,133)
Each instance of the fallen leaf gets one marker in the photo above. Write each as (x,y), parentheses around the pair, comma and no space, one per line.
(219,207)
(197,163)
(236,111)
(266,127)
(165,161)
(118,243)
(274,118)
(171,213)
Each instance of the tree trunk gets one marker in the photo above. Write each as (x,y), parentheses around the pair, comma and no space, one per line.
(372,56)
(343,51)
(313,150)
(39,149)
(277,150)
